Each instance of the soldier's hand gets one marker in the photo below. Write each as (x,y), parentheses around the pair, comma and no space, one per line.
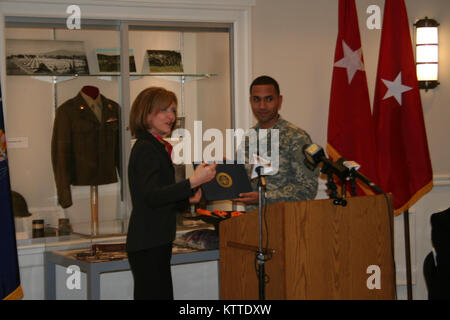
(248,198)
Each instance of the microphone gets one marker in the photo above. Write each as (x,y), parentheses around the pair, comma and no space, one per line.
(314,155)
(353,167)
(261,167)
(259,170)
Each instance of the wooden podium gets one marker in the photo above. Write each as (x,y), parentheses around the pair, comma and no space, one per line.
(321,251)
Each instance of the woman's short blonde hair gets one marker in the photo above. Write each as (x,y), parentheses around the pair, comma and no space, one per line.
(150,99)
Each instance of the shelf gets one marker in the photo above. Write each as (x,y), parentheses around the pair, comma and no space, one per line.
(178,77)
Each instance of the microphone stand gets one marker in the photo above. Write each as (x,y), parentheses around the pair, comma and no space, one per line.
(260,256)
(332,188)
(353,186)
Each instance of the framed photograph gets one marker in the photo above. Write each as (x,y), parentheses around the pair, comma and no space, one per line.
(109,60)
(164,61)
(45,57)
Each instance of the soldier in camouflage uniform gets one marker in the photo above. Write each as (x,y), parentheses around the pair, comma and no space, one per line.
(293,181)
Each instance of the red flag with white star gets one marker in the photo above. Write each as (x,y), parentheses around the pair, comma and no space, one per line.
(404,166)
(350,122)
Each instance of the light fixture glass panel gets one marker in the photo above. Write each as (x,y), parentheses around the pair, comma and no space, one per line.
(427,53)
(427,35)
(427,71)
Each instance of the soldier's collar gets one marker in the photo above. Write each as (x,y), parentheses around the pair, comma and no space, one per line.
(275,126)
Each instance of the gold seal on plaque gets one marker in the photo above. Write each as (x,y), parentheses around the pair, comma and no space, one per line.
(224,180)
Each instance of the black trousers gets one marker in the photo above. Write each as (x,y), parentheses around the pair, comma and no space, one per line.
(151,273)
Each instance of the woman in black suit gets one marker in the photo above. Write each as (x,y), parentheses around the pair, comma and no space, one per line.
(156,198)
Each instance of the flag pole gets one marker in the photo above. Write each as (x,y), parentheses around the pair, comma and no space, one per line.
(407,253)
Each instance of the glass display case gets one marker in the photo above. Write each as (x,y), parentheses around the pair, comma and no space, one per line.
(48,66)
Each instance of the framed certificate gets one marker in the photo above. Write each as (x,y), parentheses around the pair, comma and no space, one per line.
(229,182)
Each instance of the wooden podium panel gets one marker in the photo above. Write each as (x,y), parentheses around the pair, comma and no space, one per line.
(321,251)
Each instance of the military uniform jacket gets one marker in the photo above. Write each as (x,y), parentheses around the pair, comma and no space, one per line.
(294,181)
(155,195)
(85,151)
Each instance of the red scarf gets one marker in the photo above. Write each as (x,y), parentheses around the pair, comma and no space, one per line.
(167,145)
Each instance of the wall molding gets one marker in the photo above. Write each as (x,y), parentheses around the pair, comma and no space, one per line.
(441,180)
(226,4)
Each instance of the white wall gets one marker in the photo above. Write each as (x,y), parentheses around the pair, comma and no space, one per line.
(294,41)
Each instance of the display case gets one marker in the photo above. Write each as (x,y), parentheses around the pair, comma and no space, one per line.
(44,72)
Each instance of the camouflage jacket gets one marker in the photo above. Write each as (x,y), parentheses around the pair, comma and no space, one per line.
(293,181)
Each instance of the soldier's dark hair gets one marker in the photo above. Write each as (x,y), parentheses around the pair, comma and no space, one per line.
(265,80)
(150,99)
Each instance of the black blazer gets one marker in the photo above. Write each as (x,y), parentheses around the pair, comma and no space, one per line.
(155,196)
(440,237)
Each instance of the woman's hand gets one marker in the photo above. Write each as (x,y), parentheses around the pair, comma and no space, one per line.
(204,173)
(196,198)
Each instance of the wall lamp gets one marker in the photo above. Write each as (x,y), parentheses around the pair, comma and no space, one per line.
(427,53)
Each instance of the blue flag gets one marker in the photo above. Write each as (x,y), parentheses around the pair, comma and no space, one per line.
(9,267)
